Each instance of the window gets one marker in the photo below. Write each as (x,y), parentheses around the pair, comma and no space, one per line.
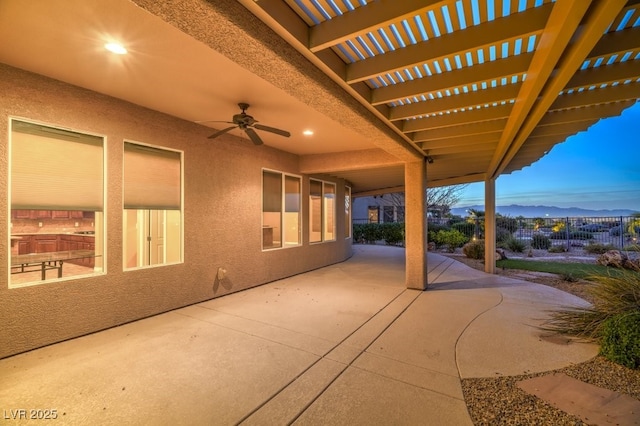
(322,211)
(374,214)
(347,212)
(387,213)
(152,217)
(281,196)
(400,213)
(56,198)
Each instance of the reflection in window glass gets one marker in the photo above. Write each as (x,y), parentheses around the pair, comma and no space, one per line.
(322,211)
(347,212)
(152,217)
(293,195)
(315,211)
(281,195)
(56,203)
(329,211)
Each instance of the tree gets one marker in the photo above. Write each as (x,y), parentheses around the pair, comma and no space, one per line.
(439,200)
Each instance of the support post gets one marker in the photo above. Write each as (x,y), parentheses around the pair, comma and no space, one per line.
(415,178)
(490,226)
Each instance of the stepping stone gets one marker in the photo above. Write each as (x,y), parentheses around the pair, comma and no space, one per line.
(592,404)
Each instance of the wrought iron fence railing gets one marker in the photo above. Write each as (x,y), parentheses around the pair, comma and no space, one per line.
(568,232)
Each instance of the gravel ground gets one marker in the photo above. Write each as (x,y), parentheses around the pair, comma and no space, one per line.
(498,401)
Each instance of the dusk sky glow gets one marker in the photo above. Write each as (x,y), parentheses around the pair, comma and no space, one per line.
(597,169)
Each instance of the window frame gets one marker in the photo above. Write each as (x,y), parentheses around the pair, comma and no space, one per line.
(323,219)
(181,209)
(100,221)
(283,209)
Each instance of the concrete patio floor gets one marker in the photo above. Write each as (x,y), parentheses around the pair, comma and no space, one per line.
(345,344)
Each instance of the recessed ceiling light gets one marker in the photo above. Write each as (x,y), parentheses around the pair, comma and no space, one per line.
(116,48)
(308,132)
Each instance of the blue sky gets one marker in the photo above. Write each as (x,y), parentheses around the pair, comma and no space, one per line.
(597,169)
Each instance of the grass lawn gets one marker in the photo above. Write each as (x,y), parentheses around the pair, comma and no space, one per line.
(576,270)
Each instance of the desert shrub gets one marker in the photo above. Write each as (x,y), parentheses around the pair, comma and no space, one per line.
(505,222)
(598,248)
(514,245)
(451,239)
(613,319)
(502,235)
(621,339)
(539,241)
(474,249)
(392,233)
(465,228)
(557,249)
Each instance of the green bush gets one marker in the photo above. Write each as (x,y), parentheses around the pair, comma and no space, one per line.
(613,319)
(598,248)
(474,249)
(540,241)
(451,239)
(392,233)
(464,228)
(621,339)
(367,232)
(514,245)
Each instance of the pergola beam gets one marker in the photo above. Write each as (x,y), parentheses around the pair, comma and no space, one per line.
(449,103)
(472,38)
(581,114)
(514,65)
(563,22)
(462,130)
(458,118)
(621,92)
(362,20)
(461,141)
(597,21)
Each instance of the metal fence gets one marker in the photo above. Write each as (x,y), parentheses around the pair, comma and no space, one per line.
(576,232)
(572,233)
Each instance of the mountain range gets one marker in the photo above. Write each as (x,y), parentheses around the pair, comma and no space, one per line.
(515,210)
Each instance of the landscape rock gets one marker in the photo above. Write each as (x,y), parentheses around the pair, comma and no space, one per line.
(613,258)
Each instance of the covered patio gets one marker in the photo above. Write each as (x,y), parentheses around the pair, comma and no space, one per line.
(344,344)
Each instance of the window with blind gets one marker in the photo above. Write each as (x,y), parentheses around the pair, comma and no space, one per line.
(152,195)
(281,195)
(56,197)
(322,211)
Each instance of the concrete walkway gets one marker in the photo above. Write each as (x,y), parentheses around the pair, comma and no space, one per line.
(346,344)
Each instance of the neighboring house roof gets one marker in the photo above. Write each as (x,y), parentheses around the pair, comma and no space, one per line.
(483,87)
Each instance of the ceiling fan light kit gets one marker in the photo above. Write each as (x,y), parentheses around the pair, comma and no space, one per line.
(249,125)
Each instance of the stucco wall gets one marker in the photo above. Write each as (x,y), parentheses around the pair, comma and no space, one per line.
(222,219)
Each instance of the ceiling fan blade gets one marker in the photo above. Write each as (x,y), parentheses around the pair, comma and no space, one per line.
(272,130)
(213,121)
(253,136)
(221,132)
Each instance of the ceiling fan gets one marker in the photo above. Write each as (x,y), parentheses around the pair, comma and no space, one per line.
(247,123)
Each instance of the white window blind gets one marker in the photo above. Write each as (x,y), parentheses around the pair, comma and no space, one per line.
(151,178)
(55,169)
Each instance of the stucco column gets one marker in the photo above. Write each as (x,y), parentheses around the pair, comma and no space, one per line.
(490,226)
(415,181)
